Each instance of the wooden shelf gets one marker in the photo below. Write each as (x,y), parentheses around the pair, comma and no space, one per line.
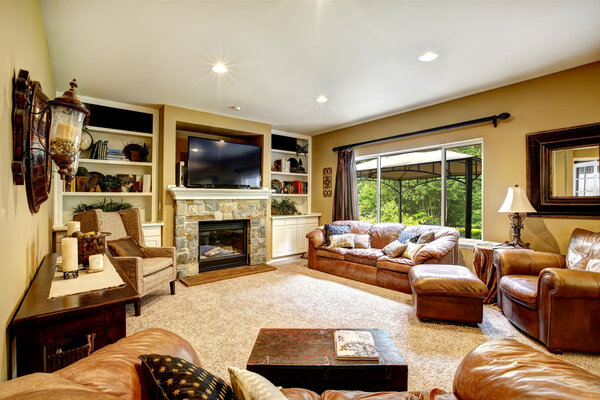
(108,194)
(288,173)
(114,162)
(287,152)
(118,131)
(288,195)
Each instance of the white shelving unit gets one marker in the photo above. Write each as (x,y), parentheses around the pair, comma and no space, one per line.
(288,232)
(64,202)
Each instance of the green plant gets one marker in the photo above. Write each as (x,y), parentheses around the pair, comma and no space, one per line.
(112,182)
(106,205)
(283,207)
(82,171)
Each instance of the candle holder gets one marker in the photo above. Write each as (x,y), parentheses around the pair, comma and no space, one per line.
(71,274)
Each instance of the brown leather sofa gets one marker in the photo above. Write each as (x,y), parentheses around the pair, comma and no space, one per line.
(372,265)
(498,369)
(554,298)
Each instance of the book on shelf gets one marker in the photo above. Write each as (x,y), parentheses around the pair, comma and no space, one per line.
(355,345)
(147,183)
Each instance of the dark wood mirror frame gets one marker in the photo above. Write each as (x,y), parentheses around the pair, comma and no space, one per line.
(539,177)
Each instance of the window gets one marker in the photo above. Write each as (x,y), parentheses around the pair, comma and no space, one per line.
(409,187)
(585,178)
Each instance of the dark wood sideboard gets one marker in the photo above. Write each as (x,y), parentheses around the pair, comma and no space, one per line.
(48,334)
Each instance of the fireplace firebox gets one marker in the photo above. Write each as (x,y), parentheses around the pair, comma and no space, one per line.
(222,244)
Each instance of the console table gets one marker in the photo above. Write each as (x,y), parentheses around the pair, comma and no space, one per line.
(49,334)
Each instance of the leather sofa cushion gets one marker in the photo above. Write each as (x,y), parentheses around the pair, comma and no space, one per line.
(42,386)
(584,251)
(506,369)
(359,227)
(446,280)
(433,394)
(401,264)
(521,288)
(152,265)
(384,233)
(363,256)
(299,394)
(336,253)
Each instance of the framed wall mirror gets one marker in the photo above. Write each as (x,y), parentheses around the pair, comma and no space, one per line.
(563,171)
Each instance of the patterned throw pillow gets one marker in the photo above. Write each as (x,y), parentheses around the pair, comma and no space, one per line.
(394,249)
(331,230)
(405,237)
(171,377)
(346,240)
(411,250)
(125,247)
(249,385)
(425,238)
(362,241)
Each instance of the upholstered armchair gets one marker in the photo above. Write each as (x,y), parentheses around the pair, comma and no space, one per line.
(157,267)
(552,297)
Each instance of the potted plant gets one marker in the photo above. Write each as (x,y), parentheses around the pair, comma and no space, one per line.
(284,207)
(112,183)
(81,177)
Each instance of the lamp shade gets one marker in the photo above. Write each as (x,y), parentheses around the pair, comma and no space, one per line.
(516,202)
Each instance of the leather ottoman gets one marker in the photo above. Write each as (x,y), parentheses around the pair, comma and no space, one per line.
(447,292)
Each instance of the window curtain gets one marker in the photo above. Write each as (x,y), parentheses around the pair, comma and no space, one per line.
(345,198)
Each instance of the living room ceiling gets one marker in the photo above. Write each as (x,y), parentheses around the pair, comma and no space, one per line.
(281,55)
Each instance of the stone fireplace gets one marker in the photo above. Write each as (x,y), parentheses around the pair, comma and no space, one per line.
(196,206)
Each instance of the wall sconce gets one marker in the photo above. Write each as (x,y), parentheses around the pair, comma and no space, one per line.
(43,129)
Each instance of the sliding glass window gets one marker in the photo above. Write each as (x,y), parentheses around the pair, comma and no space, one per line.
(409,187)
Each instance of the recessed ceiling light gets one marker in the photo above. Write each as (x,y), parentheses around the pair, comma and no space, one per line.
(219,68)
(428,56)
(236,108)
(322,99)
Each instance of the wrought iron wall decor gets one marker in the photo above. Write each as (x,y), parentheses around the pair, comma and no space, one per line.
(327,182)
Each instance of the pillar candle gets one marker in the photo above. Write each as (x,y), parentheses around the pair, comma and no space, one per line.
(69,254)
(96,261)
(73,226)
(66,131)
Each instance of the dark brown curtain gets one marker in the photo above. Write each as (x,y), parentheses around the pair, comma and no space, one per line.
(345,198)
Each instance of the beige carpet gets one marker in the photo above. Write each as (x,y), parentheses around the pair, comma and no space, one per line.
(222,320)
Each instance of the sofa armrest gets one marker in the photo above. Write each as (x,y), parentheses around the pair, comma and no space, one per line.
(506,369)
(437,248)
(569,284)
(116,369)
(525,262)
(132,267)
(316,238)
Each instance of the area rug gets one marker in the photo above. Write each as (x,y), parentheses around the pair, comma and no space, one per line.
(228,273)
(221,320)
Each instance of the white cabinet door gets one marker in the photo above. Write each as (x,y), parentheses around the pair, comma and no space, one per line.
(278,241)
(290,239)
(152,236)
(302,241)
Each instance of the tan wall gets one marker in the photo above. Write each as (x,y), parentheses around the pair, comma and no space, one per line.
(169,117)
(24,238)
(554,101)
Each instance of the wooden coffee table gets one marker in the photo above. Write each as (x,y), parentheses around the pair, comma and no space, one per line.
(306,358)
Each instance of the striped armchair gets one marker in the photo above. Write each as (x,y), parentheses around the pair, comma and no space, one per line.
(157,267)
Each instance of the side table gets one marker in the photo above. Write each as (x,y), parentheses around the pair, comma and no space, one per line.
(483,264)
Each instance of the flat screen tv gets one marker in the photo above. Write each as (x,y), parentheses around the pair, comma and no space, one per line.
(215,163)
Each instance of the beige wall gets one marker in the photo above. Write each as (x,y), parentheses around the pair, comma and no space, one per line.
(24,238)
(170,117)
(554,101)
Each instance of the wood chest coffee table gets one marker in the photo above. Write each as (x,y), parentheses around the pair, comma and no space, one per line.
(305,358)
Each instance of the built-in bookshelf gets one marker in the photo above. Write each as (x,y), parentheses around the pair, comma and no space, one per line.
(141,129)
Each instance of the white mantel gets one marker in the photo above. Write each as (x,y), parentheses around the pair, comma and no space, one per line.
(183,193)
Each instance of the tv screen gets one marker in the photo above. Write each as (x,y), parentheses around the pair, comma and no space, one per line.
(223,164)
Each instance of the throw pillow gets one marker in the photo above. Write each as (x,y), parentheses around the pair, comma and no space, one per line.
(411,250)
(331,230)
(345,240)
(425,238)
(125,247)
(362,241)
(251,386)
(394,249)
(405,237)
(171,377)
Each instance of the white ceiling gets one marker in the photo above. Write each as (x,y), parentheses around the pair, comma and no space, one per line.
(282,54)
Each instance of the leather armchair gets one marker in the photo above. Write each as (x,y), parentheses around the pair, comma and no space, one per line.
(551,297)
(147,274)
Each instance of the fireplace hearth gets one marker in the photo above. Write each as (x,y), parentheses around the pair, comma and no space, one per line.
(222,244)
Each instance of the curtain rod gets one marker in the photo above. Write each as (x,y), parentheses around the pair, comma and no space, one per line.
(493,118)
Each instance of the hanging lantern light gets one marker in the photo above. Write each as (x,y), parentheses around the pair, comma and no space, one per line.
(67,115)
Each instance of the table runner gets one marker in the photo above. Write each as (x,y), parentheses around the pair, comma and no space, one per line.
(86,282)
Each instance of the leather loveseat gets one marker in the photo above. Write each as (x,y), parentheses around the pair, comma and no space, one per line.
(552,297)
(372,265)
(498,369)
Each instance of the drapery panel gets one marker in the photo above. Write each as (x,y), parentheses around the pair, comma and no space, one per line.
(345,198)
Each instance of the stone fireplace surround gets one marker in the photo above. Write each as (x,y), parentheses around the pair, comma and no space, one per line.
(193,205)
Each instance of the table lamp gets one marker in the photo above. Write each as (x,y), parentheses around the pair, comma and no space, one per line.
(517,206)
